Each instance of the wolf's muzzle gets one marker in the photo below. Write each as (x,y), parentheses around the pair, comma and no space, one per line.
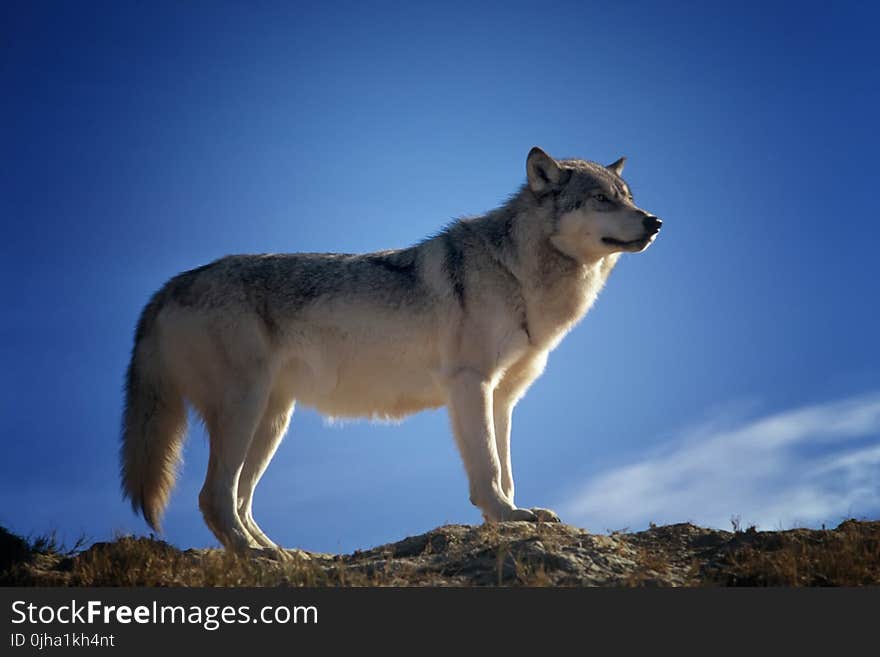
(652,224)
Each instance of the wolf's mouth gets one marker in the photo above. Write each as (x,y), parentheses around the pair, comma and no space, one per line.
(616,242)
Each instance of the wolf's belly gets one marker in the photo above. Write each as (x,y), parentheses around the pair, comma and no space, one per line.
(380,381)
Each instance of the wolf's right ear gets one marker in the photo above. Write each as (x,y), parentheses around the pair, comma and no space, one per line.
(617,166)
(543,171)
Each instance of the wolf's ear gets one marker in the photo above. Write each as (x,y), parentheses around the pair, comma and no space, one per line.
(617,167)
(543,171)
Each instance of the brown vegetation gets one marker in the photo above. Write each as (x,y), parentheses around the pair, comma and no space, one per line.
(505,554)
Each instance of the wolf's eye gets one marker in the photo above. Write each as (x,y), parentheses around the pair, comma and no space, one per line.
(601,198)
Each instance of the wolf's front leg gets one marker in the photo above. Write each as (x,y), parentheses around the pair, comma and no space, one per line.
(470,410)
(502,410)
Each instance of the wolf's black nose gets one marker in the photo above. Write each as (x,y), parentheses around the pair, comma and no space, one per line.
(652,223)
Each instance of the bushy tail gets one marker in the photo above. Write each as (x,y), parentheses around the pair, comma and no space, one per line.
(153,427)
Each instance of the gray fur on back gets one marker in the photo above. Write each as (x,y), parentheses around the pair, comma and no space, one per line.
(271,284)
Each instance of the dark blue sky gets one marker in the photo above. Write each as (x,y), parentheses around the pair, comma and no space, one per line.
(142,139)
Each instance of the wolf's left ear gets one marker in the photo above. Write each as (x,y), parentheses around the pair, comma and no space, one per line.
(543,171)
(617,167)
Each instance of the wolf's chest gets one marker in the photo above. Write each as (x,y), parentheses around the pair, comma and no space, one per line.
(553,311)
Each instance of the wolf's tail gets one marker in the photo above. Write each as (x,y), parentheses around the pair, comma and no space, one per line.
(153,424)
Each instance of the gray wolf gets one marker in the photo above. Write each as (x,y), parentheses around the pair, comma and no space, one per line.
(464,319)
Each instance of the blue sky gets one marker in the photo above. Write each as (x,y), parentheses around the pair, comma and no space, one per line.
(731,370)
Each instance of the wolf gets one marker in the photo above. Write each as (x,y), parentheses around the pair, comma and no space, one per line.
(464,319)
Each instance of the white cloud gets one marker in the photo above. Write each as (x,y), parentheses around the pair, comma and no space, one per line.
(806,466)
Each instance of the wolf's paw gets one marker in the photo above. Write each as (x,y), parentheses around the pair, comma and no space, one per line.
(535,514)
(294,554)
(521,515)
(271,554)
(545,515)
(278,554)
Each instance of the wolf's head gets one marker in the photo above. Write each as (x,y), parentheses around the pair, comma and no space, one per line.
(595,213)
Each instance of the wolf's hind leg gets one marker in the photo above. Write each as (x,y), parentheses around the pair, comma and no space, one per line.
(267,437)
(231,430)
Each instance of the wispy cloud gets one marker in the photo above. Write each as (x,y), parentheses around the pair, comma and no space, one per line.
(804,466)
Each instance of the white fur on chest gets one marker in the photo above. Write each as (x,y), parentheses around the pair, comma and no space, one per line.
(553,311)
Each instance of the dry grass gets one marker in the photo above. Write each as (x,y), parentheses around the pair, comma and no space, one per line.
(508,554)
(129,561)
(652,570)
(846,556)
